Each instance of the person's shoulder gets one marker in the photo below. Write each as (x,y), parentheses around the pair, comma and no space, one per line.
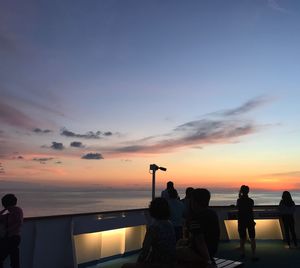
(16,210)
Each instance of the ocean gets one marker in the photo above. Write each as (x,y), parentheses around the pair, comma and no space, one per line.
(46,202)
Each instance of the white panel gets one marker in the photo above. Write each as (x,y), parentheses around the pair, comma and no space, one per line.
(134,237)
(265,229)
(113,242)
(87,247)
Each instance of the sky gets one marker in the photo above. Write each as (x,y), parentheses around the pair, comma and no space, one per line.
(93,92)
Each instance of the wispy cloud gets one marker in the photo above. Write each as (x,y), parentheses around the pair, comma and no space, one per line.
(43,160)
(92,156)
(275,6)
(223,127)
(245,107)
(15,117)
(195,133)
(285,174)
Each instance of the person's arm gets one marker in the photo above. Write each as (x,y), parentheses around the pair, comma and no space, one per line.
(15,220)
(2,211)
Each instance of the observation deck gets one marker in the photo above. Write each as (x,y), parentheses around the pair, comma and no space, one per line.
(108,239)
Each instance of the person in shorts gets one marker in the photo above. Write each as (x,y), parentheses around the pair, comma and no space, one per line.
(246,221)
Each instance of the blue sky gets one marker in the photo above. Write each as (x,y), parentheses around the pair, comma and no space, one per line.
(138,69)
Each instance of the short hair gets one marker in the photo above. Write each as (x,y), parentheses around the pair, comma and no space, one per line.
(170,184)
(201,196)
(287,198)
(244,190)
(9,200)
(188,192)
(159,209)
(173,194)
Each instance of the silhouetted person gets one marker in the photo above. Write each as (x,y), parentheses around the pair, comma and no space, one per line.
(204,221)
(187,200)
(159,246)
(187,208)
(176,213)
(12,218)
(202,243)
(246,221)
(287,209)
(165,193)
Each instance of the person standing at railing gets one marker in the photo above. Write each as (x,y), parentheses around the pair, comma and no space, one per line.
(165,193)
(11,219)
(176,213)
(246,221)
(287,208)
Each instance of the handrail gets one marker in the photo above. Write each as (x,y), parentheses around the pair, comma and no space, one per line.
(127,210)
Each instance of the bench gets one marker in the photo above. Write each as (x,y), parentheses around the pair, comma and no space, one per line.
(222,263)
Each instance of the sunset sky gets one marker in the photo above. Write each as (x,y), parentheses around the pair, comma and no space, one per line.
(92,92)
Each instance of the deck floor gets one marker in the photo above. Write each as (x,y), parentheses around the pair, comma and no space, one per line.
(271,254)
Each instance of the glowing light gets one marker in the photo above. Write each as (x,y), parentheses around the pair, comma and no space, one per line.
(265,229)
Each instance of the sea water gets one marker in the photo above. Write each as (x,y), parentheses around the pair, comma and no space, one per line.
(46,202)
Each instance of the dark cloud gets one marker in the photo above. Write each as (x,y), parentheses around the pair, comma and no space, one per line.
(90,156)
(57,145)
(88,135)
(19,157)
(58,162)
(2,171)
(14,117)
(76,144)
(43,160)
(42,131)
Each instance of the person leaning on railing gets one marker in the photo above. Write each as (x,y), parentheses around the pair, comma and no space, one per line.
(11,219)
(287,209)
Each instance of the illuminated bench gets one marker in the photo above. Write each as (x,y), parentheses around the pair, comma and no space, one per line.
(222,263)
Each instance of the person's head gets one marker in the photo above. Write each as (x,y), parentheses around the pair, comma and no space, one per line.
(287,198)
(9,200)
(173,194)
(188,192)
(159,209)
(170,185)
(244,191)
(200,198)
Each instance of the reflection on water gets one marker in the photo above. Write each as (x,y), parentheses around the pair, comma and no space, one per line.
(56,202)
